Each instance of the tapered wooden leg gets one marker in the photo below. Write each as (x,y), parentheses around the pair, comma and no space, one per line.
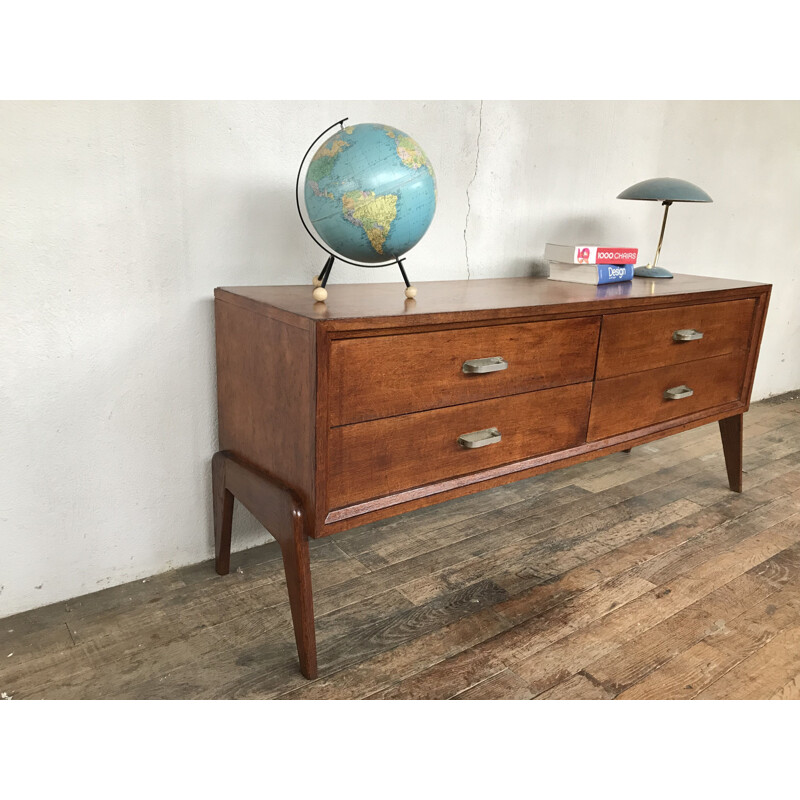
(280,511)
(297,566)
(731,430)
(223,514)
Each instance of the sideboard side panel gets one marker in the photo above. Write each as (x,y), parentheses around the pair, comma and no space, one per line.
(759,320)
(266,387)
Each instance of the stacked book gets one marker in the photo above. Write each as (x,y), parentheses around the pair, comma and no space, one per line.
(586,263)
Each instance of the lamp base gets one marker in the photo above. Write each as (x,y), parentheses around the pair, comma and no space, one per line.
(651,272)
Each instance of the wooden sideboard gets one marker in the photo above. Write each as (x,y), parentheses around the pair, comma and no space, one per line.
(332,415)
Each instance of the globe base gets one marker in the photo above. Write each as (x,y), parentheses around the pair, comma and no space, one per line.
(320,293)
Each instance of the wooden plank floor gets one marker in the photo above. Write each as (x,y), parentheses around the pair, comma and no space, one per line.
(635,576)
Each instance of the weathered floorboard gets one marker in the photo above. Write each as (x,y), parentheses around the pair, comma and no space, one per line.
(637,576)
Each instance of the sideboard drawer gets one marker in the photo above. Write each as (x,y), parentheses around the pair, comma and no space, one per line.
(385,456)
(629,402)
(641,340)
(381,376)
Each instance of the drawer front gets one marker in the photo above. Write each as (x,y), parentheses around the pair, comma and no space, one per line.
(382,457)
(630,402)
(640,340)
(381,376)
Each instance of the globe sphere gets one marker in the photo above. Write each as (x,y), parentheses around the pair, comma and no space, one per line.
(370,193)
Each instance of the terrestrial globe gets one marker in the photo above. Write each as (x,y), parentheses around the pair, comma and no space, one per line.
(370,194)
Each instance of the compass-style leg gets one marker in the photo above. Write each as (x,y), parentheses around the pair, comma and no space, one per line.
(320,293)
(411,291)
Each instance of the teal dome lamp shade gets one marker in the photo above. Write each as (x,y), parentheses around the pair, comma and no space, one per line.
(667,191)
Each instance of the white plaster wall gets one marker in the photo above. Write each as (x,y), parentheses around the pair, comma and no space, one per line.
(118,219)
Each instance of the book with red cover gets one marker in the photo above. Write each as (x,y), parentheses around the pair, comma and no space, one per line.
(590,254)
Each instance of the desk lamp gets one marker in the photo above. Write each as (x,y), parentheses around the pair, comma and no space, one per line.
(667,191)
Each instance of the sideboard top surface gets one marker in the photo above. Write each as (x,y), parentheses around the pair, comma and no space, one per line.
(385,301)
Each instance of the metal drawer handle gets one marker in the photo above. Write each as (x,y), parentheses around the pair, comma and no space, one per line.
(479,438)
(493,364)
(687,335)
(678,393)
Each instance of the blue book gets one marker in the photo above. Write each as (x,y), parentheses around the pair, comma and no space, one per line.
(595,274)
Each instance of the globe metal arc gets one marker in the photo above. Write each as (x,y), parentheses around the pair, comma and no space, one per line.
(370,196)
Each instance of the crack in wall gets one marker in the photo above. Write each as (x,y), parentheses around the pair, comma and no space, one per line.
(474,174)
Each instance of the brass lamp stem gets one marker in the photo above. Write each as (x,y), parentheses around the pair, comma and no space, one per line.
(667,204)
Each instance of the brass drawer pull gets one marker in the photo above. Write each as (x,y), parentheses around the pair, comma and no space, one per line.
(678,393)
(479,438)
(687,335)
(493,364)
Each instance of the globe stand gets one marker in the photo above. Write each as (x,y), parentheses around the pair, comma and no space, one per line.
(320,293)
(411,291)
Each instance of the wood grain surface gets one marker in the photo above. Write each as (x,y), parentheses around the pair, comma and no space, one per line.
(617,402)
(375,305)
(385,456)
(266,385)
(644,339)
(384,376)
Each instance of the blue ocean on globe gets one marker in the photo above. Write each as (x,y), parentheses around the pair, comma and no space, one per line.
(370,193)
